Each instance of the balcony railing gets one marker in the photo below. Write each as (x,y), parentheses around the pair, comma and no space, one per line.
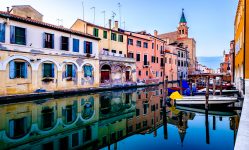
(146,63)
(111,54)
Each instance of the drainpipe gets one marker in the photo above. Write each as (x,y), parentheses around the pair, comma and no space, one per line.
(244,68)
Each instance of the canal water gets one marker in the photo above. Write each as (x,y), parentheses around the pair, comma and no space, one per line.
(120,119)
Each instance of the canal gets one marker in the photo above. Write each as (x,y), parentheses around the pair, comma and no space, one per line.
(120,119)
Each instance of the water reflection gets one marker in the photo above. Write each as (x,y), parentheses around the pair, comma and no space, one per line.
(113,120)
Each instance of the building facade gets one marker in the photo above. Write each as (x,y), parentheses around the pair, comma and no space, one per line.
(181,36)
(36,55)
(115,68)
(241,38)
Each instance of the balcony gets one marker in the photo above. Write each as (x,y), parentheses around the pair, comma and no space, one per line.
(146,64)
(109,56)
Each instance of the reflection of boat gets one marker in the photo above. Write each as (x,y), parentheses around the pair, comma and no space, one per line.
(210,112)
(201,100)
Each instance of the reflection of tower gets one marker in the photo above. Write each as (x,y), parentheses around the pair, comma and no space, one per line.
(182,125)
(182,28)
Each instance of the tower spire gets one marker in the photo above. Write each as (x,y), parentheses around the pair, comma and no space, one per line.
(183,19)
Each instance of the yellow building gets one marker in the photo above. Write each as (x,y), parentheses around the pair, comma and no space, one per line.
(115,68)
(241,36)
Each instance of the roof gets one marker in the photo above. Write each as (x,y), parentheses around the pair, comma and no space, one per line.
(44,24)
(23,6)
(170,35)
(183,19)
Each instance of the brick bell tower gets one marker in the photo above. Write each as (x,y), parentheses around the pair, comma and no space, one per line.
(182,27)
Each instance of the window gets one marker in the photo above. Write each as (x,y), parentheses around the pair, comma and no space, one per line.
(130,41)
(47,116)
(114,37)
(145,107)
(152,46)
(170,61)
(130,55)
(64,43)
(138,57)
(161,48)
(48,70)
(156,59)
(18,127)
(179,63)
(161,73)
(145,123)
(137,112)
(147,73)
(88,47)
(114,51)
(18,69)
(120,52)
(69,70)
(166,59)
(76,45)
(2,32)
(138,126)
(88,71)
(139,43)
(120,38)
(95,32)
(139,72)
(153,59)
(75,139)
(182,54)
(105,49)
(48,40)
(161,63)
(157,46)
(105,34)
(17,35)
(145,45)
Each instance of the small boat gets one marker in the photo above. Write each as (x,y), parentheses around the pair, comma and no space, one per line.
(210,112)
(201,100)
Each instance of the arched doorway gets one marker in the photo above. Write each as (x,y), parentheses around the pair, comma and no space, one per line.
(105,74)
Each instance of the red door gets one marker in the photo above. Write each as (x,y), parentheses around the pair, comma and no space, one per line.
(127,75)
(105,76)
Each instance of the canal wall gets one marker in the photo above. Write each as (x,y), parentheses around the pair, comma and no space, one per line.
(62,93)
(243,132)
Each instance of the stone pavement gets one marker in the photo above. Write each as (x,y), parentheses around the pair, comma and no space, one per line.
(242,140)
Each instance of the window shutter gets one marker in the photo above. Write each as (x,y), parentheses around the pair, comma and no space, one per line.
(61,42)
(12,35)
(43,71)
(84,46)
(66,72)
(44,40)
(91,47)
(2,32)
(25,36)
(11,128)
(12,69)
(74,71)
(25,70)
(52,41)
(52,70)
(74,110)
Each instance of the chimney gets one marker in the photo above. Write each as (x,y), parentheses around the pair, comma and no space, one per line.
(110,23)
(116,25)
(155,33)
(8,9)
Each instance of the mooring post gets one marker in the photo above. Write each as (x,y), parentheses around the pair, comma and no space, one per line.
(181,85)
(221,85)
(166,86)
(191,91)
(207,92)
(207,127)
(214,85)
(214,123)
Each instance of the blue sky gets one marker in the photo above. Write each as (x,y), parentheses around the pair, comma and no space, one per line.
(210,21)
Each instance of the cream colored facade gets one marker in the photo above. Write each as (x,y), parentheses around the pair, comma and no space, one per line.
(35,55)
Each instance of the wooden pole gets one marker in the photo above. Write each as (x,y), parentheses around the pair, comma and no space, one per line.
(214,85)
(221,85)
(166,86)
(214,123)
(181,85)
(207,127)
(190,82)
(207,92)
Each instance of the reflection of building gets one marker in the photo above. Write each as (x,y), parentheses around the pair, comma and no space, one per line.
(181,35)
(148,112)
(115,68)
(180,120)
(37,55)
(90,121)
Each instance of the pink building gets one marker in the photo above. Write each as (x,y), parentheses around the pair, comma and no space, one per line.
(171,64)
(146,50)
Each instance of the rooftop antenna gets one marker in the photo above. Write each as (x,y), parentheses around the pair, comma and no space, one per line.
(93,14)
(59,22)
(124,24)
(113,15)
(104,17)
(119,8)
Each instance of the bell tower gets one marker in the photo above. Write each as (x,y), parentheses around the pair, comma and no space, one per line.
(182,27)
